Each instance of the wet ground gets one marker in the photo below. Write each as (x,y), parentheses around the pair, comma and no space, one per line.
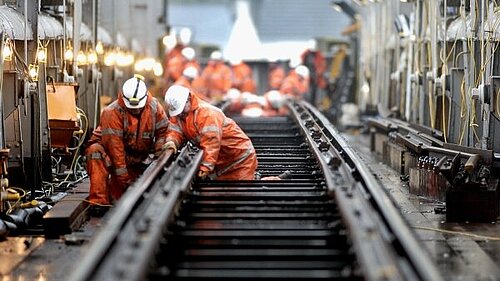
(462,251)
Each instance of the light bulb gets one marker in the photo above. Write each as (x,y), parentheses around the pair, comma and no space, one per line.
(42,55)
(33,72)
(99,48)
(68,55)
(157,69)
(92,57)
(81,58)
(110,59)
(7,52)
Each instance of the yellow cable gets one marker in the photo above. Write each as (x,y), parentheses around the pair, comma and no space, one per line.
(497,103)
(443,117)
(494,238)
(444,61)
(463,124)
(429,90)
(17,189)
(84,200)
(80,142)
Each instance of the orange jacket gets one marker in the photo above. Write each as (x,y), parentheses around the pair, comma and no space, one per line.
(315,61)
(242,78)
(193,63)
(294,86)
(175,66)
(275,77)
(168,66)
(217,80)
(275,108)
(129,139)
(224,144)
(196,85)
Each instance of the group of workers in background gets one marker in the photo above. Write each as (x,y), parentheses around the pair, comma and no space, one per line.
(233,80)
(137,127)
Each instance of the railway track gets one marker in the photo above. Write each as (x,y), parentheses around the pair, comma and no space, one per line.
(329,220)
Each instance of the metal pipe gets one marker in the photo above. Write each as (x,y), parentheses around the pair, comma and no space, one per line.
(472,163)
(64,36)
(2,42)
(26,31)
(77,21)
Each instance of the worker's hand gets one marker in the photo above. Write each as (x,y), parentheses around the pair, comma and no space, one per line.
(203,174)
(271,178)
(169,145)
(148,160)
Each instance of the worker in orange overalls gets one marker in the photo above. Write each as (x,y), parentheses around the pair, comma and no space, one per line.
(242,76)
(314,60)
(132,130)
(228,153)
(216,77)
(276,76)
(190,79)
(189,55)
(275,104)
(173,64)
(234,97)
(253,105)
(296,84)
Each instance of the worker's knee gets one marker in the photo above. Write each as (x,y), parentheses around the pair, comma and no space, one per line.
(96,152)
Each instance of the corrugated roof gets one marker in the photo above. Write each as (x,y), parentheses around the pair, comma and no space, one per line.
(121,40)
(278,20)
(136,46)
(85,33)
(49,27)
(12,23)
(103,36)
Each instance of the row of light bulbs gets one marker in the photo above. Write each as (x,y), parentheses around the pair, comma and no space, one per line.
(147,65)
(113,57)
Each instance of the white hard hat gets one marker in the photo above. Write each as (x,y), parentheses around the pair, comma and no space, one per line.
(233,94)
(302,71)
(311,44)
(294,62)
(188,53)
(190,72)
(135,92)
(252,98)
(216,55)
(235,61)
(275,98)
(176,98)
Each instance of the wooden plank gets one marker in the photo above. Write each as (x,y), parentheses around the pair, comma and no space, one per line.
(83,187)
(66,216)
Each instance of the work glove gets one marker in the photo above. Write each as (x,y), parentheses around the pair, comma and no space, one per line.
(169,145)
(148,160)
(203,174)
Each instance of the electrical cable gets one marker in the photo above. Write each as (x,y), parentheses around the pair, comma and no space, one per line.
(87,201)
(485,237)
(76,156)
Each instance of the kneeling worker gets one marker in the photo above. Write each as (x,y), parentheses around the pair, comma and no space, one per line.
(228,153)
(131,128)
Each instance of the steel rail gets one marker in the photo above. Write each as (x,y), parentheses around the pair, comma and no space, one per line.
(384,246)
(403,253)
(124,246)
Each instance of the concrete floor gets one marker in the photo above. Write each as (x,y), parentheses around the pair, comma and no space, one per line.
(462,251)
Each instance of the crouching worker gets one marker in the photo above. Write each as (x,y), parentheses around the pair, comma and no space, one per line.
(228,153)
(132,129)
